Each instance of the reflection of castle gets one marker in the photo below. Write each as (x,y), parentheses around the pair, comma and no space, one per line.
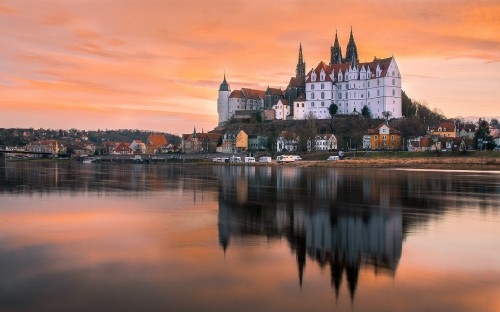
(304,207)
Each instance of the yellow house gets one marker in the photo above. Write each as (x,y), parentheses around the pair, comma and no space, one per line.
(241,141)
(445,128)
(384,137)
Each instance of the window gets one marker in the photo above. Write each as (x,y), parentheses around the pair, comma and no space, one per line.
(384,137)
(393,92)
(340,87)
(312,95)
(393,81)
(322,103)
(378,82)
(368,84)
(339,96)
(392,137)
(378,93)
(376,138)
(368,93)
(312,104)
(302,104)
(322,95)
(362,95)
(322,86)
(297,104)
(312,87)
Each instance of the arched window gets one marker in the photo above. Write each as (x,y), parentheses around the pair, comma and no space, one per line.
(312,87)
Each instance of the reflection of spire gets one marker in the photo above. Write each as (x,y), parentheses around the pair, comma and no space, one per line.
(301,259)
(352,271)
(336,273)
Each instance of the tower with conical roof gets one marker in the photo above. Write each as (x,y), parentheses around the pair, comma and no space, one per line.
(352,50)
(336,52)
(223,101)
(300,71)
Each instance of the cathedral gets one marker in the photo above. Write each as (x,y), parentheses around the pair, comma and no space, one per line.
(345,82)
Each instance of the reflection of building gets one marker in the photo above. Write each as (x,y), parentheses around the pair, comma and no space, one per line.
(341,220)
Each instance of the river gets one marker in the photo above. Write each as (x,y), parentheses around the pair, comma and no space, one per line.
(134,237)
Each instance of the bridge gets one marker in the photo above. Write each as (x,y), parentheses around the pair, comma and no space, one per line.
(4,152)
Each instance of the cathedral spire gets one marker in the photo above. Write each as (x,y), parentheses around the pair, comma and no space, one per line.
(336,51)
(352,50)
(300,71)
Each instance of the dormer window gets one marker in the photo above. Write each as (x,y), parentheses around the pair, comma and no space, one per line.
(322,78)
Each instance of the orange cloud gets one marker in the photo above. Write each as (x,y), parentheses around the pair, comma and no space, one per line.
(111,53)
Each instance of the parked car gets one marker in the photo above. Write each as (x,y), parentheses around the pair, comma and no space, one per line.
(333,158)
(265,159)
(297,157)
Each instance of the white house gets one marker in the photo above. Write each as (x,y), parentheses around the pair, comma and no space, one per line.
(323,142)
(299,107)
(282,109)
(287,142)
(138,146)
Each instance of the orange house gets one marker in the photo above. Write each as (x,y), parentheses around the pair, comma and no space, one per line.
(384,136)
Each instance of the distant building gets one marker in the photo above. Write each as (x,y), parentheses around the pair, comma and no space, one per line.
(123,149)
(322,142)
(385,137)
(44,146)
(257,142)
(234,141)
(138,146)
(466,131)
(287,142)
(445,128)
(282,109)
(199,142)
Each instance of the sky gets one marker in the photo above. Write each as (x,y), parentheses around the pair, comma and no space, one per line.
(157,64)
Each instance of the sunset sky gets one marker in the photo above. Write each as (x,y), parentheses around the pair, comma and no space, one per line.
(157,64)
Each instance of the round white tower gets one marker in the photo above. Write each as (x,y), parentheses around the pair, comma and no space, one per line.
(223,101)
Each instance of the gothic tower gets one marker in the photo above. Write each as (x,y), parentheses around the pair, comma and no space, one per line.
(351,49)
(301,66)
(223,101)
(336,52)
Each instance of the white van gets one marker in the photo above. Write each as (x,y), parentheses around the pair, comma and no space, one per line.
(234,159)
(249,159)
(285,158)
(265,159)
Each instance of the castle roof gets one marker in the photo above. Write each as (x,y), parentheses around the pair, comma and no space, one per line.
(297,82)
(344,67)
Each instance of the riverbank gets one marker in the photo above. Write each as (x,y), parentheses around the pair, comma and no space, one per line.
(443,163)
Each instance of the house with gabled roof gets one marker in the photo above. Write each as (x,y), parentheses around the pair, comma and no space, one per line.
(384,137)
(446,128)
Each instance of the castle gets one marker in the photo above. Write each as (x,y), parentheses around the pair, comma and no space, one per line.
(345,82)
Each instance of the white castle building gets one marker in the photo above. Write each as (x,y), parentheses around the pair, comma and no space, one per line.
(345,82)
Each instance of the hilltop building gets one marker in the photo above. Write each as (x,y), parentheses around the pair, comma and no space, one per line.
(345,82)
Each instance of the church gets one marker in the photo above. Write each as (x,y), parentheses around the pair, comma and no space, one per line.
(345,82)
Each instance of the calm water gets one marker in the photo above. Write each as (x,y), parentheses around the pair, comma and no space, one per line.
(112,237)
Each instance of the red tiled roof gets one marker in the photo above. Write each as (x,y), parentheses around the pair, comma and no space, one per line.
(301,97)
(321,66)
(122,147)
(237,94)
(211,137)
(283,101)
(275,91)
(253,94)
(297,82)
(157,139)
(449,125)
(376,130)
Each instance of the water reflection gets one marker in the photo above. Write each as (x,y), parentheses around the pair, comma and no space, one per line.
(229,238)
